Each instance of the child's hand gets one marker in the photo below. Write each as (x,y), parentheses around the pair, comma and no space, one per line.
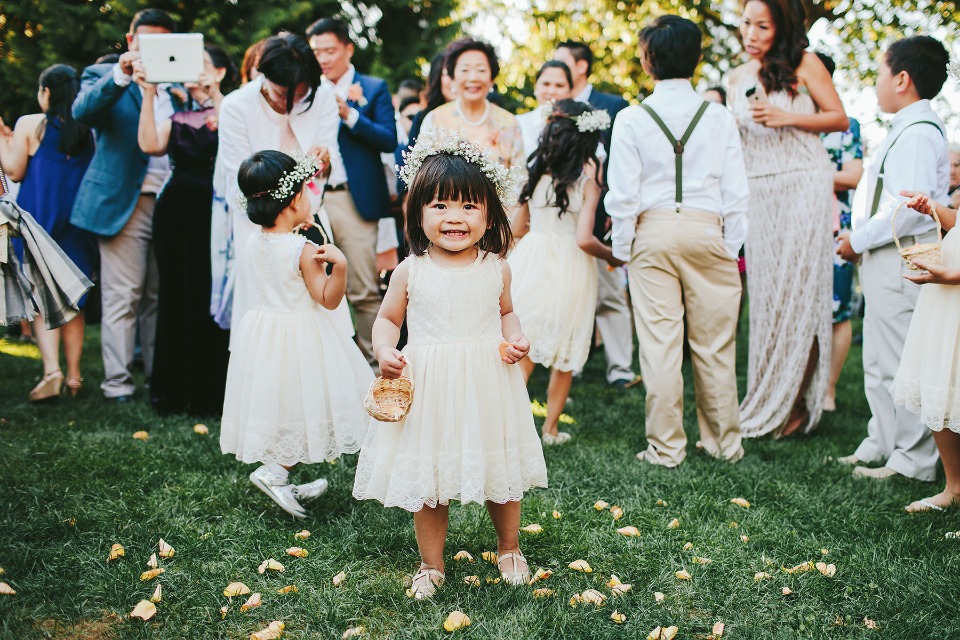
(516,350)
(919,202)
(933,273)
(330,253)
(392,363)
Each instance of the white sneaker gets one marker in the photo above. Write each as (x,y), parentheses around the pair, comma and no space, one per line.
(282,494)
(310,490)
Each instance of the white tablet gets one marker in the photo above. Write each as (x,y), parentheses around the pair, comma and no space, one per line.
(172,57)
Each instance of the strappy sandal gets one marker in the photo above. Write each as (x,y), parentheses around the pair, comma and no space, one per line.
(515,577)
(925,505)
(48,388)
(425,583)
(74,385)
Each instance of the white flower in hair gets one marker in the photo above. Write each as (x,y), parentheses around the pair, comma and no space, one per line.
(953,69)
(439,141)
(289,182)
(596,120)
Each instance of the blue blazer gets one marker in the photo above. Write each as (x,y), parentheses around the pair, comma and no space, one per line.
(111,185)
(612,105)
(374,133)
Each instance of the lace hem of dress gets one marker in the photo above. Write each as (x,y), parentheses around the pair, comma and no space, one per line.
(938,407)
(546,355)
(295,442)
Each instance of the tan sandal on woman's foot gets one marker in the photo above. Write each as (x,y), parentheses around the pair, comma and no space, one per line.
(516,576)
(48,388)
(74,385)
(425,583)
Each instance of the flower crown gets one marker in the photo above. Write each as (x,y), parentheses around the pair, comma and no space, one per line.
(289,182)
(588,121)
(439,141)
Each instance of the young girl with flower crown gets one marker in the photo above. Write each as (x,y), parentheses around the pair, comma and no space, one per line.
(295,382)
(555,286)
(469,434)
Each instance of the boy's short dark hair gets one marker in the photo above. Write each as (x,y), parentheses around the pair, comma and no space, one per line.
(406,102)
(671,46)
(330,25)
(152,18)
(924,59)
(411,84)
(579,51)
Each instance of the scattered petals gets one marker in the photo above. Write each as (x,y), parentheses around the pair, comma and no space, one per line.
(613,581)
(616,512)
(157,593)
(669,633)
(557,515)
(674,524)
(593,597)
(141,435)
(236,589)
(290,588)
(270,565)
(601,505)
(352,632)
(744,538)
(6,590)
(490,580)
(144,610)
(870,624)
(273,631)
(828,570)
(683,574)
(543,593)
(456,620)
(152,562)
(786,591)
(658,597)
(740,502)
(473,581)
(630,532)
(541,574)
(734,525)
(618,617)
(581,565)
(252,603)
(575,599)
(824,551)
(661,503)
(463,555)
(620,589)
(166,551)
(718,629)
(489,556)
(301,535)
(116,551)
(297,552)
(2,571)
(761,575)
(803,567)
(339,578)
(532,528)
(200,429)
(688,546)
(655,634)
(700,560)
(223,611)
(151,574)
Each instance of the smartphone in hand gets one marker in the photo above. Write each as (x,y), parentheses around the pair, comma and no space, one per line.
(756,93)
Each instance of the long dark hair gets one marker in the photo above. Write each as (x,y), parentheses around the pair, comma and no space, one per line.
(434,93)
(222,60)
(257,177)
(562,152)
(449,177)
(64,85)
(778,69)
(287,61)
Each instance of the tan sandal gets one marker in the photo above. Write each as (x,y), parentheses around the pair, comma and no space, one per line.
(425,583)
(48,388)
(515,577)
(74,385)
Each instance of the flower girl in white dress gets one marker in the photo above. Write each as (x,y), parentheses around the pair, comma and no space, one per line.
(295,381)
(554,266)
(469,434)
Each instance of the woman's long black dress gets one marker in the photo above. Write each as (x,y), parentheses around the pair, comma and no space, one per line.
(190,365)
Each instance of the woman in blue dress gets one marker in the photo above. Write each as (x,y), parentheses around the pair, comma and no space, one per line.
(48,154)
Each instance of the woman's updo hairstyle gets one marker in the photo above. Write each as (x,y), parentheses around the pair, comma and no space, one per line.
(258,177)
(778,70)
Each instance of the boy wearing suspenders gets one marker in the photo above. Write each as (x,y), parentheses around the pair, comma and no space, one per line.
(912,157)
(678,199)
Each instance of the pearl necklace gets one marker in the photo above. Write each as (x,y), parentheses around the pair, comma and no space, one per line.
(483,118)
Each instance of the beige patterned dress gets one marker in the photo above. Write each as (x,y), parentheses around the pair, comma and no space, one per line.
(789,253)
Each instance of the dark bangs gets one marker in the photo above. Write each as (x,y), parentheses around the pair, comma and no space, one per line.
(449,177)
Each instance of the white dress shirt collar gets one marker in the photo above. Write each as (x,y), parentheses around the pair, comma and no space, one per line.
(584,96)
(342,85)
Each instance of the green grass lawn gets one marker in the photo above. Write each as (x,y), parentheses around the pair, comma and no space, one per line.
(74,482)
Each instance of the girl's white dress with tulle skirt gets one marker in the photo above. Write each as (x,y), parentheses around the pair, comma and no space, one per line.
(295,382)
(554,284)
(469,435)
(928,381)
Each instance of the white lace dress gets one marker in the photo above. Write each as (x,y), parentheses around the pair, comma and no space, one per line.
(928,380)
(554,284)
(295,383)
(469,435)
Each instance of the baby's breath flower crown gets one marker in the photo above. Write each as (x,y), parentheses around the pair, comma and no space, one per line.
(439,141)
(289,182)
(588,121)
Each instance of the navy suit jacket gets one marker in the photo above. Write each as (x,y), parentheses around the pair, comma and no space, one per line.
(374,133)
(111,185)
(612,105)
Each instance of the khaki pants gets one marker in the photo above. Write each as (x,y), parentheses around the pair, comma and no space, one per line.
(895,436)
(614,324)
(679,267)
(129,282)
(357,238)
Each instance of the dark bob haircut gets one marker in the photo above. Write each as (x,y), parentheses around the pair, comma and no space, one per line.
(258,176)
(152,18)
(450,177)
(330,25)
(459,47)
(671,47)
(287,60)
(925,61)
(556,64)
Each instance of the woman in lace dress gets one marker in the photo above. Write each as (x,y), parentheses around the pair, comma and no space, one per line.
(783,98)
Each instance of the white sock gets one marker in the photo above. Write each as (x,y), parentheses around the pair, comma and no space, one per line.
(282,474)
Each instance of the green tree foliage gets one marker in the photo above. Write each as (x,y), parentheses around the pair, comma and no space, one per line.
(393,36)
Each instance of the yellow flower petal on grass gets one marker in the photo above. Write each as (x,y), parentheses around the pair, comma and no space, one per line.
(658,597)
(620,589)
(618,617)
(301,535)
(152,562)
(669,633)
(473,581)
(352,632)
(489,556)
(674,524)
(661,503)
(630,532)
(683,574)
(616,512)
(157,593)
(490,580)
(6,590)
(144,610)
(655,634)
(761,575)
(740,502)
(688,546)
(297,552)
(223,612)
(557,515)
(252,603)
(456,620)
(541,574)
(270,565)
(236,589)
(581,565)
(828,570)
(151,574)
(339,578)
(575,600)
(201,429)
(116,551)
(532,528)
(290,588)
(166,551)
(700,560)
(273,631)
(593,597)
(613,581)
(601,505)
(463,555)
(744,539)
(717,630)
(542,593)
(140,435)
(786,591)
(803,567)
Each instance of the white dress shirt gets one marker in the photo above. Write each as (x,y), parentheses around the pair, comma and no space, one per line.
(158,167)
(643,169)
(341,88)
(532,124)
(917,162)
(584,95)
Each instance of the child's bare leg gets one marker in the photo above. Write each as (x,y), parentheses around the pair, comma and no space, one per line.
(842,338)
(526,367)
(430,526)
(557,393)
(948,444)
(506,520)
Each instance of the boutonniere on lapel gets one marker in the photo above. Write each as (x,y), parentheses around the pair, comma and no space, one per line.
(355,94)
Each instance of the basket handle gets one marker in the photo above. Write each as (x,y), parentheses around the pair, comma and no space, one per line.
(893,225)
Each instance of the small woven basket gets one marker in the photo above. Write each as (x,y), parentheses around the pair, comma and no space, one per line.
(929,252)
(389,400)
